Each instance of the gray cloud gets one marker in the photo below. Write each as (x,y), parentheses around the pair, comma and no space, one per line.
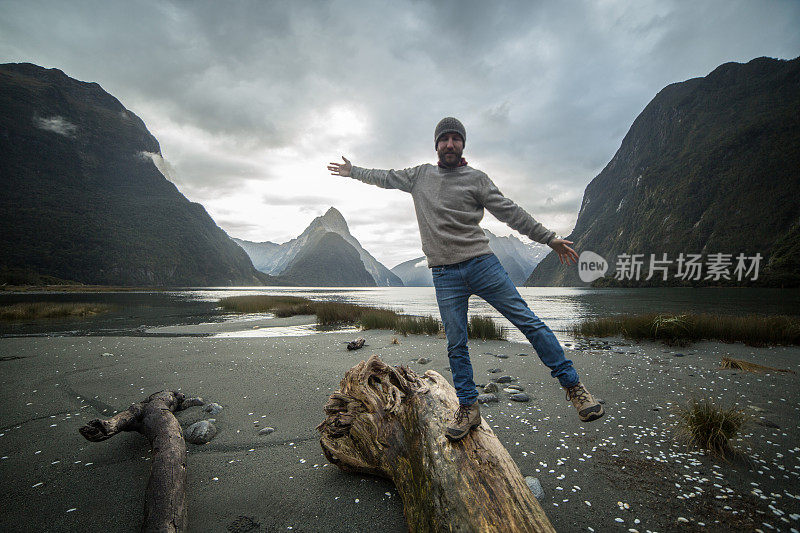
(238,93)
(306,200)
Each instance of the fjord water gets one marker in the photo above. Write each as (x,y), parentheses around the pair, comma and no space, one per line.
(559,307)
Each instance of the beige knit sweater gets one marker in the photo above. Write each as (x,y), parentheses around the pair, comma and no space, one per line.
(449,203)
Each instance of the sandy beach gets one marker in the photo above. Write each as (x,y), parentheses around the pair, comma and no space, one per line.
(624,472)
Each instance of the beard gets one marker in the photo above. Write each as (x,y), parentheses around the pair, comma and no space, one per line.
(450,157)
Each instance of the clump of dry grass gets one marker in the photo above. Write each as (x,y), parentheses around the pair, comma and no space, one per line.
(681,329)
(710,427)
(330,314)
(34,310)
(730,363)
(484,328)
(282,306)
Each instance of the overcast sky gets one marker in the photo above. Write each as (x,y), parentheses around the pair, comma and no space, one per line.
(250,100)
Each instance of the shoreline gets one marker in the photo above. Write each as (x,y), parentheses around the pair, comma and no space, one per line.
(56,384)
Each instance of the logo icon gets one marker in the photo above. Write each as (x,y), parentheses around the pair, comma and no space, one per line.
(591,266)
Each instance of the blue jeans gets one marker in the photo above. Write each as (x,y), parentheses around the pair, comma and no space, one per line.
(486,277)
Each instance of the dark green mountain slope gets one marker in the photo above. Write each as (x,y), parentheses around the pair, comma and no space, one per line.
(712,165)
(83,200)
(327,260)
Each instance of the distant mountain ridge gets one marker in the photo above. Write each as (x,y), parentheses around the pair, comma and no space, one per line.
(327,260)
(517,258)
(83,200)
(728,147)
(280,259)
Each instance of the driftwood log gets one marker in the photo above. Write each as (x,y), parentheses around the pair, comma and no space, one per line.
(165,500)
(356,344)
(389,421)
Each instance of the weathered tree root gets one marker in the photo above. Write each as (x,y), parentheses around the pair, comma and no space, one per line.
(165,500)
(390,422)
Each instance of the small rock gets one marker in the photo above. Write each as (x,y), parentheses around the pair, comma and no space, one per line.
(600,400)
(501,356)
(677,354)
(488,398)
(522,354)
(191,402)
(266,431)
(200,432)
(768,424)
(520,397)
(495,370)
(423,360)
(504,379)
(491,387)
(536,487)
(212,408)
(519,388)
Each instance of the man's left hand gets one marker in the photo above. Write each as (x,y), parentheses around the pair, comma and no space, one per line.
(566,255)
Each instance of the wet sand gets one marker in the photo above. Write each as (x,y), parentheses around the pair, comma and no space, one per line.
(622,472)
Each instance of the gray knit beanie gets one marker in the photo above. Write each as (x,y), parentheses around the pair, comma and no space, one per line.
(449,125)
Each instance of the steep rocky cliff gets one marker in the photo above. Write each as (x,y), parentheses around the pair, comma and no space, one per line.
(327,260)
(83,200)
(711,166)
(276,259)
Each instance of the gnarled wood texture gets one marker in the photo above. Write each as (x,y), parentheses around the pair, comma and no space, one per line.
(389,421)
(165,499)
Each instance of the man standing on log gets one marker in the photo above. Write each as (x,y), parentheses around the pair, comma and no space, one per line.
(449,199)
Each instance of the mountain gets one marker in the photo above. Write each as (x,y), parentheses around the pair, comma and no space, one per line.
(710,166)
(518,259)
(276,259)
(414,272)
(260,253)
(327,260)
(83,200)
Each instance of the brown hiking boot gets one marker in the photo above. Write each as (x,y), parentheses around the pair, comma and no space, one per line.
(588,408)
(466,418)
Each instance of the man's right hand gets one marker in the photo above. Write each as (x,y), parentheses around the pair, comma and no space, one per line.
(340,169)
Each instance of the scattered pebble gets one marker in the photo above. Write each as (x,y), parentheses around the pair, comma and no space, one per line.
(213,408)
(200,432)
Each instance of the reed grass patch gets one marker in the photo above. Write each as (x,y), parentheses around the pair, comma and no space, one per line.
(682,329)
(710,427)
(484,328)
(730,363)
(418,325)
(287,305)
(36,310)
(331,314)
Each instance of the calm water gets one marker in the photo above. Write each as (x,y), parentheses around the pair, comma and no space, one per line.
(560,308)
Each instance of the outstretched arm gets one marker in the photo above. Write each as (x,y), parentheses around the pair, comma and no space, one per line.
(517,218)
(387,179)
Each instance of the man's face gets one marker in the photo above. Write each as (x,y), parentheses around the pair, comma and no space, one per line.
(450,147)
